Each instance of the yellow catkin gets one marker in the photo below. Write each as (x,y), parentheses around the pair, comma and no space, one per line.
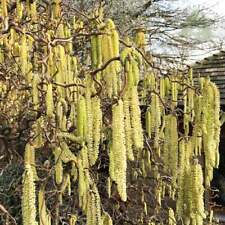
(99,50)
(65,153)
(148,124)
(136,119)
(65,184)
(58,166)
(197,193)
(84,178)
(116,48)
(37,129)
(70,136)
(28,197)
(170,151)
(89,138)
(19,10)
(197,129)
(210,128)
(174,89)
(106,219)
(4,8)
(24,56)
(81,118)
(135,71)
(110,49)
(162,88)
(171,219)
(91,210)
(115,42)
(216,122)
(110,74)
(129,71)
(118,150)
(94,51)
(183,161)
(44,217)
(190,203)
(35,91)
(49,101)
(73,219)
(109,185)
(128,128)
(94,207)
(61,110)
(140,39)
(29,158)
(155,118)
(56,9)
(61,61)
(33,11)
(125,54)
(105,48)
(69,45)
(97,125)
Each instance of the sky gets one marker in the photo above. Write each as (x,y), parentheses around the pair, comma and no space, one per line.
(216,6)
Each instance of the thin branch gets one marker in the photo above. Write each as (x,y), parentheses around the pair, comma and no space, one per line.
(93,73)
(5,211)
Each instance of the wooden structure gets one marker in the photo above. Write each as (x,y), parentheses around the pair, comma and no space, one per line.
(214,67)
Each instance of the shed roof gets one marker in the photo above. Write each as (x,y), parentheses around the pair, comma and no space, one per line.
(214,67)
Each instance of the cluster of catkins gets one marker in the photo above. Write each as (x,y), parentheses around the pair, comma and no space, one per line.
(66,100)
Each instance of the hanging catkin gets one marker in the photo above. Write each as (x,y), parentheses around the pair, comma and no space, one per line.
(29,158)
(84,178)
(35,91)
(81,118)
(90,132)
(127,126)
(118,159)
(28,197)
(49,101)
(136,119)
(94,51)
(24,56)
(210,128)
(106,219)
(97,126)
(4,8)
(58,166)
(140,39)
(170,149)
(110,49)
(44,217)
(94,207)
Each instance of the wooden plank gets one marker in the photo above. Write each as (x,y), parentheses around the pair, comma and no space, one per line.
(218,78)
(212,65)
(220,55)
(222,95)
(214,69)
(219,84)
(209,61)
(204,73)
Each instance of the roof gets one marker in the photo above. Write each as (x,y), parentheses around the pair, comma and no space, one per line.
(214,67)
